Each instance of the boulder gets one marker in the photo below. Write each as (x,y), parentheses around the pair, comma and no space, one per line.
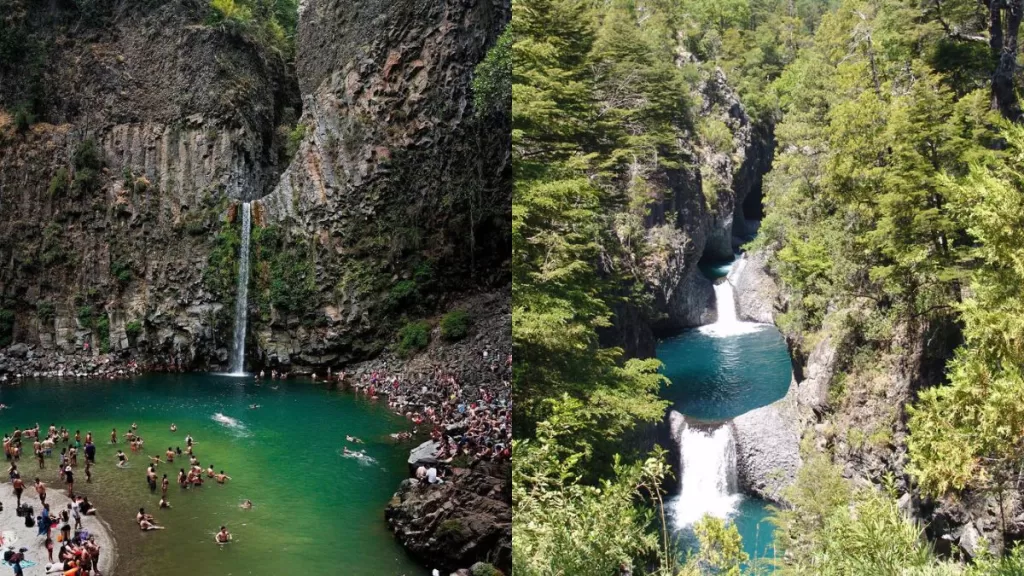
(756,291)
(460,523)
(768,447)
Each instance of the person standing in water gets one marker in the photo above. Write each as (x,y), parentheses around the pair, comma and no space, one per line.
(113,436)
(122,459)
(163,486)
(223,537)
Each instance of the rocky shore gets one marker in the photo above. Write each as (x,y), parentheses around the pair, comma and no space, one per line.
(27,361)
(467,520)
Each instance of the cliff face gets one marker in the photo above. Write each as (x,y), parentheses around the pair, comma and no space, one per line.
(400,190)
(117,205)
(148,124)
(703,210)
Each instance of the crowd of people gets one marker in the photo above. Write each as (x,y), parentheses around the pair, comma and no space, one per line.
(79,553)
(467,420)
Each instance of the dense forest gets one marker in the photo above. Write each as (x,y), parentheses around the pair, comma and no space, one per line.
(893,223)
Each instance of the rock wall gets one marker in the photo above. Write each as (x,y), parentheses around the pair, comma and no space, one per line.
(454,525)
(149,124)
(698,214)
(401,190)
(399,194)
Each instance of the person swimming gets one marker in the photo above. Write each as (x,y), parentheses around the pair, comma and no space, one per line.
(246,505)
(174,428)
(353,439)
(223,537)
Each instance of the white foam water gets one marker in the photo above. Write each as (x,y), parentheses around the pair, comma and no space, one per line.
(242,295)
(727,323)
(707,481)
(227,420)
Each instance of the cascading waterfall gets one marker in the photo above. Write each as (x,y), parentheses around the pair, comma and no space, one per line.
(728,324)
(242,295)
(707,481)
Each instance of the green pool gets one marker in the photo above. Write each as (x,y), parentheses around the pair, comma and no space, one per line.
(315,511)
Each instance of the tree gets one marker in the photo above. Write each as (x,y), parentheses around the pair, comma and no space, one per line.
(967,434)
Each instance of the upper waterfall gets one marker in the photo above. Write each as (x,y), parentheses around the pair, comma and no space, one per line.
(242,294)
(728,323)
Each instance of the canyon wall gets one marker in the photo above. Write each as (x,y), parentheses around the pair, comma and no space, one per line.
(148,125)
(383,193)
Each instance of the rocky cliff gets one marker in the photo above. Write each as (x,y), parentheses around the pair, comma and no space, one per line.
(129,133)
(400,192)
(146,125)
(849,401)
(702,210)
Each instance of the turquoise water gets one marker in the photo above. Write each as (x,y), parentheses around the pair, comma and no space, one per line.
(719,374)
(716,378)
(315,512)
(714,269)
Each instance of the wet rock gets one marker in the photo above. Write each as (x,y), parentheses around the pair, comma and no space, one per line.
(459,523)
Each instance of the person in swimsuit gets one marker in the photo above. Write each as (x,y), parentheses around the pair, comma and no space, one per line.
(88,471)
(41,491)
(19,487)
(151,478)
(223,537)
(169,455)
(122,459)
(163,485)
(164,503)
(246,505)
(113,436)
(173,427)
(222,477)
(69,477)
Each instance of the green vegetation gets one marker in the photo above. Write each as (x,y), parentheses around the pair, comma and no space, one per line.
(221,273)
(492,79)
(121,272)
(45,311)
(270,22)
(23,119)
(413,337)
(284,273)
(133,329)
(295,137)
(88,163)
(59,183)
(455,325)
(893,210)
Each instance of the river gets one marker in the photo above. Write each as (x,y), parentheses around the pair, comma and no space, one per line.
(718,372)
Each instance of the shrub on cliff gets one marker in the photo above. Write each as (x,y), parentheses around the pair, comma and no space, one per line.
(133,329)
(59,182)
(492,79)
(455,325)
(413,337)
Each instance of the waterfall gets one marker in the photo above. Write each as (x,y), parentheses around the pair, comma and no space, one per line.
(242,295)
(707,481)
(728,324)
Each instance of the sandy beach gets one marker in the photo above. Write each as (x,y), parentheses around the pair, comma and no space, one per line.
(14,532)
